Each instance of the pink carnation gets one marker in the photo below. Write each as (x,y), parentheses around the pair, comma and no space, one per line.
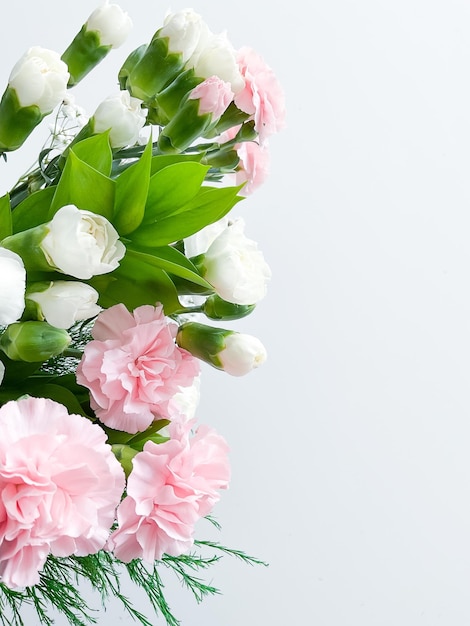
(134,367)
(262,97)
(253,168)
(214,96)
(172,485)
(60,485)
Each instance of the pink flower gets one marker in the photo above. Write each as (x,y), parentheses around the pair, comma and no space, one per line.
(59,483)
(262,97)
(133,367)
(253,168)
(214,96)
(172,485)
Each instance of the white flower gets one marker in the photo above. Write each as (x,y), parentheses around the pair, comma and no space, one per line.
(184,30)
(2,372)
(200,241)
(65,302)
(12,286)
(122,114)
(235,267)
(184,403)
(111,23)
(241,354)
(40,78)
(215,56)
(82,244)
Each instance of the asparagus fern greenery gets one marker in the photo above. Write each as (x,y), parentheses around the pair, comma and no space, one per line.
(62,580)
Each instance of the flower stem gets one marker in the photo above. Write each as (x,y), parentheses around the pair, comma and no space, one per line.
(72,352)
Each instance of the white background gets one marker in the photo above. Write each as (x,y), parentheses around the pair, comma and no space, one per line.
(350,447)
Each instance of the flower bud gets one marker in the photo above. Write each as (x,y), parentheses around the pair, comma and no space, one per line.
(200,111)
(235,353)
(184,30)
(106,28)
(123,116)
(215,56)
(112,24)
(241,354)
(148,71)
(37,84)
(39,79)
(217,309)
(62,303)
(33,341)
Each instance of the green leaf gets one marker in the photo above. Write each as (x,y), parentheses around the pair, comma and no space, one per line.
(85,187)
(151,434)
(209,205)
(164,160)
(96,152)
(131,193)
(171,261)
(171,188)
(62,395)
(6,228)
(33,210)
(134,283)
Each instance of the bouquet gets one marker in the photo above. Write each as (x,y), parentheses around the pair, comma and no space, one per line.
(121,270)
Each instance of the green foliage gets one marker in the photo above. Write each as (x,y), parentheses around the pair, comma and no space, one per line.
(166,193)
(138,280)
(171,261)
(132,187)
(62,579)
(96,152)
(6,228)
(85,187)
(206,207)
(33,210)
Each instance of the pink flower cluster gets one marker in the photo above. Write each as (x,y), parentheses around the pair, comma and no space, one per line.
(59,485)
(172,485)
(263,99)
(133,367)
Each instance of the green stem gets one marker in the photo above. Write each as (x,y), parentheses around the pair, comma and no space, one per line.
(72,352)
(187,310)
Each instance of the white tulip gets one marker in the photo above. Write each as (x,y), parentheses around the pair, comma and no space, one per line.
(81,244)
(65,302)
(40,78)
(123,115)
(12,286)
(111,23)
(242,353)
(235,267)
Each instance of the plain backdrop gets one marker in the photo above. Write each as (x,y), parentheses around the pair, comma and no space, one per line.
(350,446)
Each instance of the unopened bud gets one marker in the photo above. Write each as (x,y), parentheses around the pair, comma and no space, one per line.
(33,341)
